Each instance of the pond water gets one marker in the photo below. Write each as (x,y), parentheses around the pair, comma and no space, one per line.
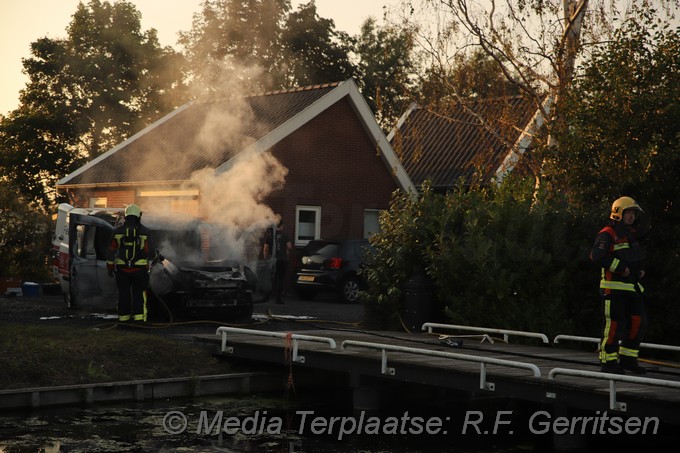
(241,424)
(319,422)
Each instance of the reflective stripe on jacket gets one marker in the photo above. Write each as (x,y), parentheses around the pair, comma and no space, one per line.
(615,252)
(143,255)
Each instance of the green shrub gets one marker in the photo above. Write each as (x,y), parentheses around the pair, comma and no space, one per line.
(25,234)
(497,257)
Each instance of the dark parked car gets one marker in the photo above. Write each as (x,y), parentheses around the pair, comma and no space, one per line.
(332,266)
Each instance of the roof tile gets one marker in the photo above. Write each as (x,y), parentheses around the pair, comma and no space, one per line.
(461,140)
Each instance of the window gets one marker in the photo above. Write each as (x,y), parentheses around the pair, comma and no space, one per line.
(371,224)
(99,202)
(307,224)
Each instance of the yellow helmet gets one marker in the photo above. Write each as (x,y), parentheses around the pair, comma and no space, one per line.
(133,209)
(620,205)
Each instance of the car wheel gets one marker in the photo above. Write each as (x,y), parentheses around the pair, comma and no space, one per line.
(306,293)
(350,290)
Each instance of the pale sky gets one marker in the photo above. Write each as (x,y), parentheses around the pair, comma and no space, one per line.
(25,21)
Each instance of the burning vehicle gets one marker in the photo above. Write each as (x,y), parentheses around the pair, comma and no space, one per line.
(200,270)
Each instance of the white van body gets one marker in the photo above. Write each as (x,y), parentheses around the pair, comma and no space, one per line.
(79,255)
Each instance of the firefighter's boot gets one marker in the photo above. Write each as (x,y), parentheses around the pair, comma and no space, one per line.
(612,367)
(631,364)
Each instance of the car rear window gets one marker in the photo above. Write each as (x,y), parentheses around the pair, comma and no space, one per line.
(328,250)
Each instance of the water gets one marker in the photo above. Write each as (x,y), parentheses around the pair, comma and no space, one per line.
(241,424)
(320,422)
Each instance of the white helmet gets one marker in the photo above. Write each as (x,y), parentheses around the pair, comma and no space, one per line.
(134,210)
(620,205)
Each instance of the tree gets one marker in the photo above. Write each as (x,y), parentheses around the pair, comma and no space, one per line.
(387,69)
(236,43)
(315,51)
(621,136)
(622,119)
(259,45)
(24,236)
(86,92)
(536,44)
(470,77)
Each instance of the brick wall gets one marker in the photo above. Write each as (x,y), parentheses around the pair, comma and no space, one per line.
(332,163)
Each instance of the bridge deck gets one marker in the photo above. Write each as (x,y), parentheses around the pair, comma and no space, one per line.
(634,399)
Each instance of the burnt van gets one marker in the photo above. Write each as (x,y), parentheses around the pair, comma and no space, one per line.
(199,270)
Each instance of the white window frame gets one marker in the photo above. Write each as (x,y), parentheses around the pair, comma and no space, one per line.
(377,211)
(317,224)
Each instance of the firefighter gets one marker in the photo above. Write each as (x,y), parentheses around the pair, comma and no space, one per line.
(129,260)
(617,251)
(282,254)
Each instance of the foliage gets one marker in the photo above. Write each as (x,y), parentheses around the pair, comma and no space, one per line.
(470,76)
(621,136)
(259,45)
(386,70)
(536,45)
(25,237)
(398,253)
(236,43)
(623,120)
(496,258)
(315,52)
(86,93)
(517,258)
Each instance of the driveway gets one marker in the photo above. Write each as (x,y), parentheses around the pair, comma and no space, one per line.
(294,314)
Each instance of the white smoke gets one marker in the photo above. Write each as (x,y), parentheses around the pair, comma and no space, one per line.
(233,204)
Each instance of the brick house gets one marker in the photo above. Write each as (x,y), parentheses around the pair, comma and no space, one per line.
(314,156)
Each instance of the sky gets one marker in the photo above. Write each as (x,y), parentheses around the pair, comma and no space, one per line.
(25,21)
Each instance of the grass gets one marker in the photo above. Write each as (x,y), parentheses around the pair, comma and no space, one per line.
(37,356)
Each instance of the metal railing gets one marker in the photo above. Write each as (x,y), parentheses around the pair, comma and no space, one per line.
(664,347)
(505,332)
(613,379)
(483,361)
(295,337)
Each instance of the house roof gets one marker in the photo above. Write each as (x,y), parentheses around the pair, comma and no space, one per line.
(203,134)
(460,140)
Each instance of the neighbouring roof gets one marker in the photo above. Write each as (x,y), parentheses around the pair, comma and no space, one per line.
(461,140)
(202,134)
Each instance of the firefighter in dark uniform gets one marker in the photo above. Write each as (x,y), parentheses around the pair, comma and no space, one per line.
(129,259)
(283,248)
(617,251)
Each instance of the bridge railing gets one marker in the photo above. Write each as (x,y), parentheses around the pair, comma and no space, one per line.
(505,332)
(663,347)
(294,337)
(613,379)
(483,361)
